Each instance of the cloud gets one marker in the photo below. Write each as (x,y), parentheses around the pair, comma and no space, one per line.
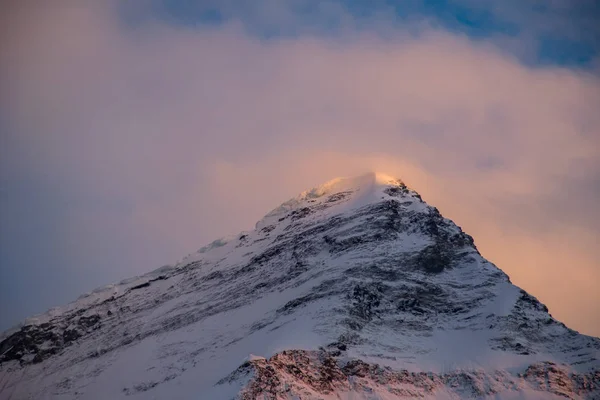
(126,147)
(538,32)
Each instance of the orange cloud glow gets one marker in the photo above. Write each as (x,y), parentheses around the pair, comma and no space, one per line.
(201,132)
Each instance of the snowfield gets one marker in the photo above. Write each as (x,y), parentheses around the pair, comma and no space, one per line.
(356,289)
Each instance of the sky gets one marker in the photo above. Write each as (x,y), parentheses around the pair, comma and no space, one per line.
(134,132)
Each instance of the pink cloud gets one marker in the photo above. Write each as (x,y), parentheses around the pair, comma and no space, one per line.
(201,132)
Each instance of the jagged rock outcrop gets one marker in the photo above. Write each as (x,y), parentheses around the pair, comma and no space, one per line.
(300,374)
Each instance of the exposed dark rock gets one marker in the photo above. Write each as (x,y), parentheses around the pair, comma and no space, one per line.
(70,335)
(267,228)
(364,301)
(140,286)
(337,197)
(300,213)
(396,191)
(531,301)
(433,259)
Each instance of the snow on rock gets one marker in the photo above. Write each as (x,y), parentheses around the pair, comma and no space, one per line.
(252,357)
(340,194)
(358,284)
(300,374)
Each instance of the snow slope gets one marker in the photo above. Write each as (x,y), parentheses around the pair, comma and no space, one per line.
(356,289)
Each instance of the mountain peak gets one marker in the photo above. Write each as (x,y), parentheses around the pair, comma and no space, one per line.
(357,191)
(364,183)
(340,184)
(353,289)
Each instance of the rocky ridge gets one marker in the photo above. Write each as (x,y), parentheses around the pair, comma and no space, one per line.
(323,374)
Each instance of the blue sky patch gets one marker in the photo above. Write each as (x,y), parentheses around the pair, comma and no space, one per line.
(562,33)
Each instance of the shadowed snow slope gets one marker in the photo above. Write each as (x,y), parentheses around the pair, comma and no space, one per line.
(355,289)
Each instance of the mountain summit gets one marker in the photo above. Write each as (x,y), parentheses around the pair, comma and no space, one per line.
(355,289)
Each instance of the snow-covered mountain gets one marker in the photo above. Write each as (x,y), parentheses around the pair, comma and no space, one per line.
(356,289)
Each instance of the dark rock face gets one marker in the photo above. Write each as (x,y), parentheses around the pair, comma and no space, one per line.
(44,340)
(527,300)
(35,343)
(433,259)
(365,300)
